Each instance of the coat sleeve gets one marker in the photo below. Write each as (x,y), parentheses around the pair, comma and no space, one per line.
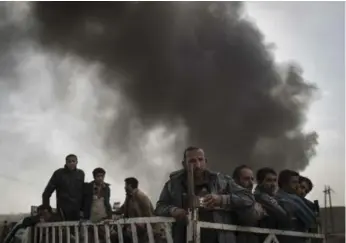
(273,208)
(242,202)
(50,188)
(164,205)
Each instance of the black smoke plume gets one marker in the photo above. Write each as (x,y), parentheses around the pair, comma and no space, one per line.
(200,64)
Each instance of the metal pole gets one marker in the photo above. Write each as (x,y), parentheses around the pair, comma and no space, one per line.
(192,226)
(331,210)
(325,210)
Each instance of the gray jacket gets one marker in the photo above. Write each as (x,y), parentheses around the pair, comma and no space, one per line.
(234,198)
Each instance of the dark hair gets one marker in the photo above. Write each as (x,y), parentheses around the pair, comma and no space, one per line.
(188,149)
(261,173)
(71,156)
(307,180)
(98,171)
(285,176)
(44,207)
(133,182)
(237,170)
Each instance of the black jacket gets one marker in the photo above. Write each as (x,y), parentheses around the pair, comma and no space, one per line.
(69,190)
(88,193)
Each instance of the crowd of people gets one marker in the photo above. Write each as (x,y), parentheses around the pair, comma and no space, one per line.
(278,200)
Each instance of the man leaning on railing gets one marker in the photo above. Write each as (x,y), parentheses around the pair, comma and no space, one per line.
(220,195)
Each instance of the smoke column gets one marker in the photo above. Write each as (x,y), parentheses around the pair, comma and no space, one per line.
(197,65)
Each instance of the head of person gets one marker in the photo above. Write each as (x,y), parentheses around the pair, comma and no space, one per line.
(44,212)
(305,186)
(99,175)
(243,176)
(131,184)
(267,179)
(71,161)
(289,181)
(195,156)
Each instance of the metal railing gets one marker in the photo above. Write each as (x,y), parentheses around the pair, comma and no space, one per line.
(60,232)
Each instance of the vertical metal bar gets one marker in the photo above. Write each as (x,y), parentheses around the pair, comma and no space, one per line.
(96,234)
(107,234)
(198,232)
(35,234)
(76,233)
(120,233)
(168,233)
(150,233)
(60,234)
(85,233)
(68,234)
(41,234)
(47,235)
(53,234)
(134,233)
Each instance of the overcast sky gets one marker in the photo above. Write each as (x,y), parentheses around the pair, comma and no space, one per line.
(37,132)
(313,34)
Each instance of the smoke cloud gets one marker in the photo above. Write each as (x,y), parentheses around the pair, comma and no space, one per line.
(128,85)
(201,66)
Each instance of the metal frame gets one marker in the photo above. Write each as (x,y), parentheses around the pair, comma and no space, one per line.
(64,230)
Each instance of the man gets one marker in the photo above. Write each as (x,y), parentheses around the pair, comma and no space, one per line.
(220,195)
(68,184)
(302,216)
(243,176)
(5,230)
(265,191)
(96,203)
(137,204)
(305,186)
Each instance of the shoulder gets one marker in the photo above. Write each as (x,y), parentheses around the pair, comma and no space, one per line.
(59,171)
(79,171)
(176,174)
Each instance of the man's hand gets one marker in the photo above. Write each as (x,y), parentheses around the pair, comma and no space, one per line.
(212,201)
(179,214)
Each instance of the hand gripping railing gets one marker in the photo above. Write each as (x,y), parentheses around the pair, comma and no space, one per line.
(46,232)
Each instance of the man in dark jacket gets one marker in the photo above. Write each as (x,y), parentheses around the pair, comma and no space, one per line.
(96,205)
(220,195)
(277,217)
(303,218)
(68,184)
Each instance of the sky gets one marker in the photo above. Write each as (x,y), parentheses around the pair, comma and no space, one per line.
(39,122)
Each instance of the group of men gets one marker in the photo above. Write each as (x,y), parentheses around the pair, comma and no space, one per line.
(277,202)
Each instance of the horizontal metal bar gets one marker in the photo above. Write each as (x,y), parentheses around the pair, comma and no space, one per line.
(114,222)
(257,230)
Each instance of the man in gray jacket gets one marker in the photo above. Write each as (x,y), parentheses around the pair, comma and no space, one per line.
(219,192)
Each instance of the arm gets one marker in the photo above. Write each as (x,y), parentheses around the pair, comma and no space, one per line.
(50,188)
(236,196)
(272,207)
(163,206)
(304,213)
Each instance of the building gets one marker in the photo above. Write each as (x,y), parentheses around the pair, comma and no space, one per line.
(333,223)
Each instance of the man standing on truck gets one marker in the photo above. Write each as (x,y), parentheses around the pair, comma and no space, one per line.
(68,183)
(219,193)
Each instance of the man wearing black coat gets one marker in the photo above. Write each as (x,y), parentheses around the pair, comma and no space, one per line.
(68,183)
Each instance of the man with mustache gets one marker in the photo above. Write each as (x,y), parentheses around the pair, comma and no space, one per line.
(220,193)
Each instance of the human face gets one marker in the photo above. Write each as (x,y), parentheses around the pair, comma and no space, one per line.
(246,178)
(293,185)
(197,159)
(128,188)
(270,183)
(71,162)
(99,178)
(303,189)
